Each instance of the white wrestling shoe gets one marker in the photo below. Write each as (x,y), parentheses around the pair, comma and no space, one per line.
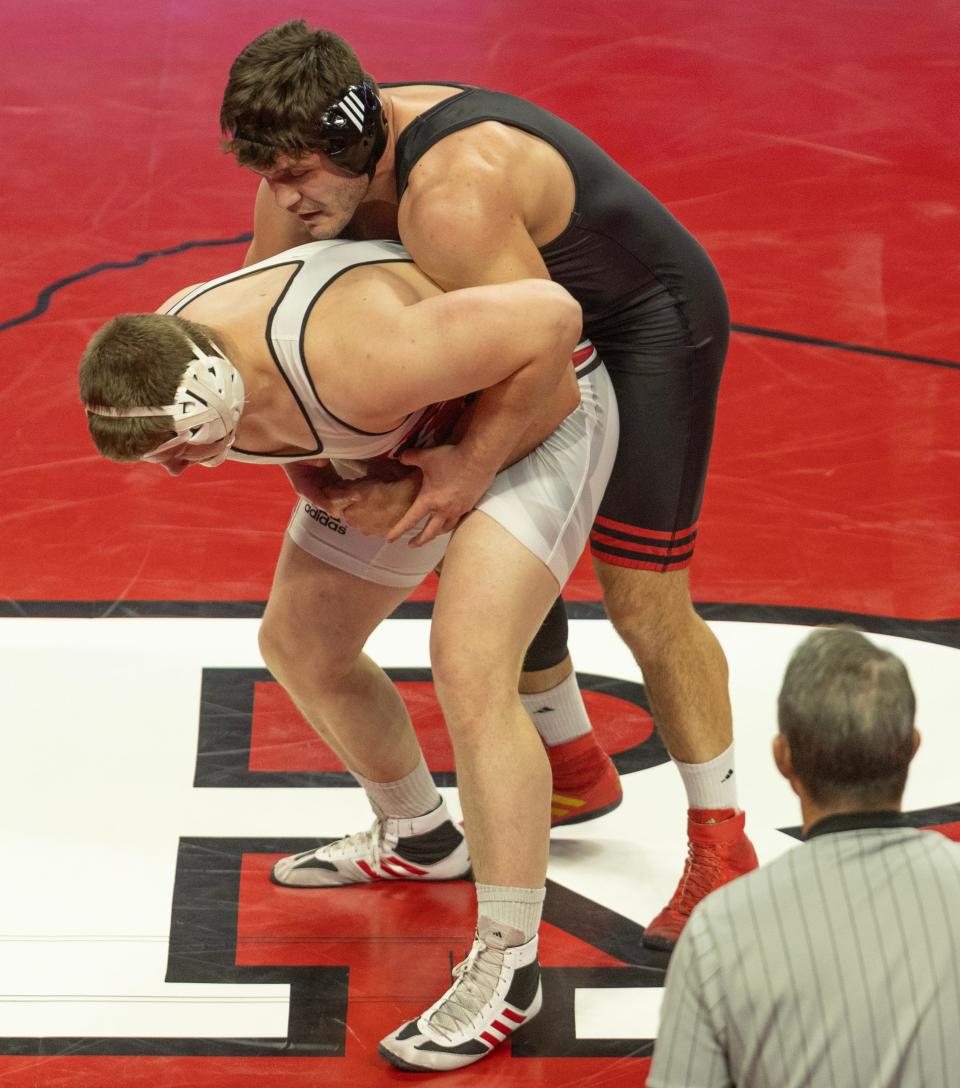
(429,847)
(495,990)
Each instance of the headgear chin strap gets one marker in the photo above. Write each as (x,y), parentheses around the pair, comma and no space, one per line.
(206,408)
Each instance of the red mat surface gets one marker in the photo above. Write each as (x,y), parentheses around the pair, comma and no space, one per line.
(816,161)
(813,149)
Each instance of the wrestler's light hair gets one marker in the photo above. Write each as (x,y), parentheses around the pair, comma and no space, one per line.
(139,381)
(279,87)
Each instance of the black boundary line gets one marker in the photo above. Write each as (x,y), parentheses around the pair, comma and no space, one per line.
(43,298)
(225,732)
(839,345)
(203,949)
(944,631)
(43,303)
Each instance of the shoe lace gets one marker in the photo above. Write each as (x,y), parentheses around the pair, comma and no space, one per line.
(361,842)
(475,981)
(702,874)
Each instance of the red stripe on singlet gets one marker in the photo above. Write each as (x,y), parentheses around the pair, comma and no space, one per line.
(631,546)
(652,534)
(661,566)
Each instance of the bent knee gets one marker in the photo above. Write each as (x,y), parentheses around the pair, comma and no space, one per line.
(471,684)
(301,659)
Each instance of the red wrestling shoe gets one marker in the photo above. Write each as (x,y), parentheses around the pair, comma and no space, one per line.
(718,851)
(585,782)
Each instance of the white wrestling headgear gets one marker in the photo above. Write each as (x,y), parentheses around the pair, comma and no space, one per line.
(206,408)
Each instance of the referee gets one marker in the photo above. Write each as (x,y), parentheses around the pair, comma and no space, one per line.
(838,965)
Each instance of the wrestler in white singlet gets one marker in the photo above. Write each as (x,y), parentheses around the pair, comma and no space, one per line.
(547,500)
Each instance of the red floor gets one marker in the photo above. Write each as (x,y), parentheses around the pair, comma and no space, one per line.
(812,148)
(816,161)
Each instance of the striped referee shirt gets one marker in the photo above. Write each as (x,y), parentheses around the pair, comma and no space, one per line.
(836,966)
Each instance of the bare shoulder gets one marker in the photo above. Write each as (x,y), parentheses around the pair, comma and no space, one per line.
(467,216)
(380,288)
(354,341)
(494,188)
(355,315)
(475,165)
(174,299)
(487,143)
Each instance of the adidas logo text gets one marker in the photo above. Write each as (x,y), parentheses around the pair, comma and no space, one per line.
(321,517)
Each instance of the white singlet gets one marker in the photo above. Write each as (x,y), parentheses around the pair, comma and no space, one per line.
(314,267)
(547,500)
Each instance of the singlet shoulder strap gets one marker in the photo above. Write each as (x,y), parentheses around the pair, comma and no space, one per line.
(296,256)
(429,83)
(475,106)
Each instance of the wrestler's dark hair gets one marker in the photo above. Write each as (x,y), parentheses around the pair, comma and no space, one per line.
(279,87)
(136,360)
(847,710)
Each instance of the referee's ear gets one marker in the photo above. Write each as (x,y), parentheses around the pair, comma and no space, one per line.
(783,760)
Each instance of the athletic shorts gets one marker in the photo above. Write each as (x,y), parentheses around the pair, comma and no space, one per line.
(547,501)
(665,360)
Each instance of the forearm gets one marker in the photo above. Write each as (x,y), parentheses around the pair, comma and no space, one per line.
(564,400)
(509,419)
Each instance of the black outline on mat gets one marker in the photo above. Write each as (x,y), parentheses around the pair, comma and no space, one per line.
(943,632)
(43,298)
(840,345)
(203,949)
(203,946)
(225,732)
(46,293)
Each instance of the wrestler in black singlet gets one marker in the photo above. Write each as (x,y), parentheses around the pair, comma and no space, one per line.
(653,305)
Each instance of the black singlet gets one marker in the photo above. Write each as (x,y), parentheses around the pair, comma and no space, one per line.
(655,308)
(621,243)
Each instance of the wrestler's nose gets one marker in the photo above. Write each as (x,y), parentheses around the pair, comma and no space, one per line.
(284,194)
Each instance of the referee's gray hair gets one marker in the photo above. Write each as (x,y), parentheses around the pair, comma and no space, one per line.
(847,708)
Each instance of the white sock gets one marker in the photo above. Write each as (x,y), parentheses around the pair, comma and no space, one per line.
(413,795)
(520,908)
(558,714)
(712,784)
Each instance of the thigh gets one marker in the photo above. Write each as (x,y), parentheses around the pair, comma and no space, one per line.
(667,395)
(646,600)
(492,598)
(549,498)
(313,604)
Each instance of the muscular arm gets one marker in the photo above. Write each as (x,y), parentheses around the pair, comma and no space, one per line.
(465,224)
(514,338)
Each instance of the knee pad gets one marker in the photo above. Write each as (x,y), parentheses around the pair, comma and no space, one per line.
(549,646)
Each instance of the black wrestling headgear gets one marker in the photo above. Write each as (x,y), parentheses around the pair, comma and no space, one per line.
(353,130)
